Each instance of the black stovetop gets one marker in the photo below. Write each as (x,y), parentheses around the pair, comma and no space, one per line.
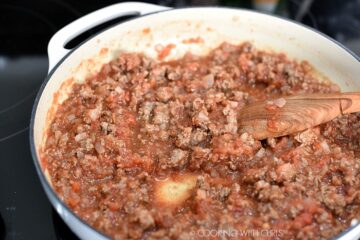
(25,29)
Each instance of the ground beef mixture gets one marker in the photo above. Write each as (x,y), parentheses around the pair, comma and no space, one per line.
(140,123)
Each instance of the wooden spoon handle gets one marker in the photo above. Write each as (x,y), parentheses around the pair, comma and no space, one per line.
(297,114)
(349,102)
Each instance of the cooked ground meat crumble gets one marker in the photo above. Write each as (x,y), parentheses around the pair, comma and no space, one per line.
(139,124)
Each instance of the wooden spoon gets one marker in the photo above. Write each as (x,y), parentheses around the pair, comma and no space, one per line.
(293,114)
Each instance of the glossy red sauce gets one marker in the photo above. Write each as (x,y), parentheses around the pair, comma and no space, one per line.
(139,123)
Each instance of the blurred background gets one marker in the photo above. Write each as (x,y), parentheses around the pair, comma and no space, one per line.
(25,29)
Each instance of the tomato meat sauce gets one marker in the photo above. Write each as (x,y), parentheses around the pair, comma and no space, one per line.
(149,150)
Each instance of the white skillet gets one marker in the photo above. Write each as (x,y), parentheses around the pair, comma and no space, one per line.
(160,25)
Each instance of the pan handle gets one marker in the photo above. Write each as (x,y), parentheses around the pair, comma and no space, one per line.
(56,49)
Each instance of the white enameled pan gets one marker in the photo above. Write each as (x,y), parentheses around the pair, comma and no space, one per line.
(156,25)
